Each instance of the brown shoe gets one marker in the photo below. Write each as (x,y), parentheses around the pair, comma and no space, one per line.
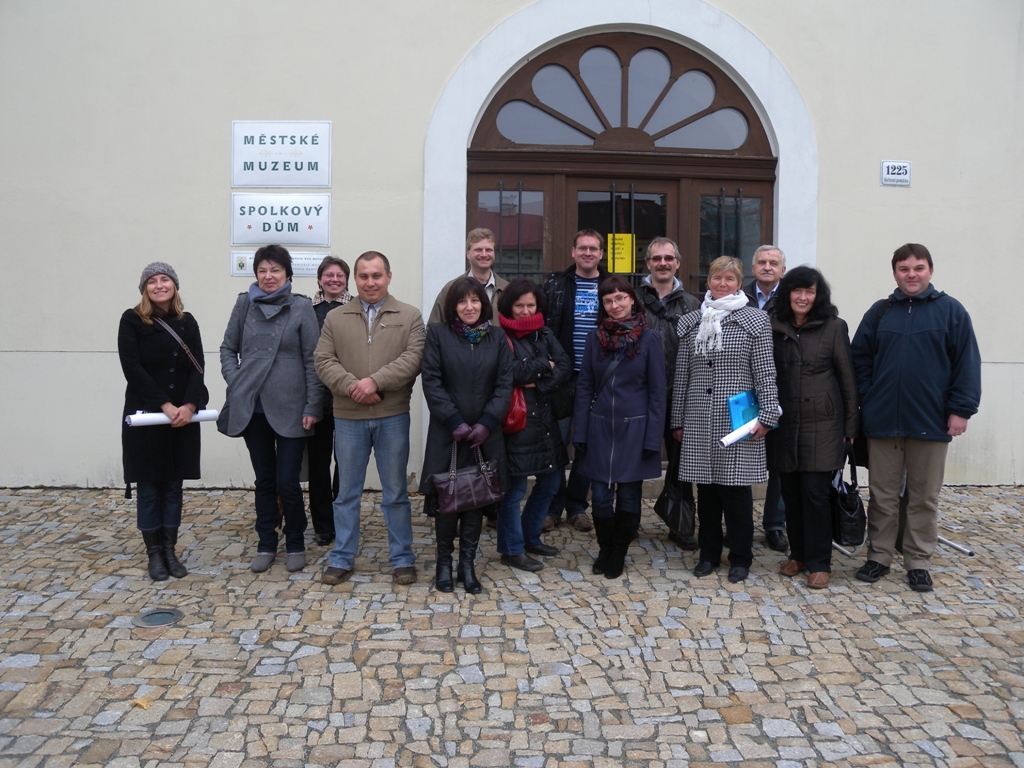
(818,579)
(791,568)
(334,576)
(406,575)
(582,522)
(548,524)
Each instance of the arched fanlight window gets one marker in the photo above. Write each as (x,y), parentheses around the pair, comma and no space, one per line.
(623,92)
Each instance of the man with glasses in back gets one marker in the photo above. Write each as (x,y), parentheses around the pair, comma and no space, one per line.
(665,302)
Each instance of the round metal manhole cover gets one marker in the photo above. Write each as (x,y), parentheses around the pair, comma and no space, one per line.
(157,617)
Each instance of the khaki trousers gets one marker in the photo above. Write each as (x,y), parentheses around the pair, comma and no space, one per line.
(925,464)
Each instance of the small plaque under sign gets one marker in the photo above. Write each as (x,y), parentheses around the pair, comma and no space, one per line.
(895,173)
(304,264)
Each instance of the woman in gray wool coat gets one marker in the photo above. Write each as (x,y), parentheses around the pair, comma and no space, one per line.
(818,393)
(274,397)
(724,349)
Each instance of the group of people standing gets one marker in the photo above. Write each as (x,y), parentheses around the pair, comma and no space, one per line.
(610,371)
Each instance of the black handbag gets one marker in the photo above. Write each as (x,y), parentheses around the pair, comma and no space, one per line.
(676,510)
(472,487)
(849,520)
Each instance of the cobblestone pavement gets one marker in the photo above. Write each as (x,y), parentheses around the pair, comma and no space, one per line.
(557,668)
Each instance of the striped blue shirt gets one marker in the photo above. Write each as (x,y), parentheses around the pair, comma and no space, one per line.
(584,315)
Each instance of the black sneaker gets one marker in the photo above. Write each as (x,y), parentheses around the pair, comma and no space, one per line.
(872,571)
(920,580)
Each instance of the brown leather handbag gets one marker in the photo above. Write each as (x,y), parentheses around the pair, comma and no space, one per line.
(471,487)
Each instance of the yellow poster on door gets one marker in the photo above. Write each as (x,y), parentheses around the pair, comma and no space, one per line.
(621,256)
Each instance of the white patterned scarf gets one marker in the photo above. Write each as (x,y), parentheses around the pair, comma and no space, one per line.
(712,313)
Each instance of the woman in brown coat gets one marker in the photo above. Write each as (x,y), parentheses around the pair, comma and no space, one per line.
(818,395)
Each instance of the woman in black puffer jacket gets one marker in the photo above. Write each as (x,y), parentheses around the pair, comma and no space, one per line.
(541,367)
(818,395)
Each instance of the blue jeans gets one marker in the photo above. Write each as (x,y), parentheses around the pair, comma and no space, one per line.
(277,462)
(158,505)
(572,493)
(622,497)
(515,529)
(389,440)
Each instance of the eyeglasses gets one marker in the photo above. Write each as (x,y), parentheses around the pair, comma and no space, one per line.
(660,259)
(587,248)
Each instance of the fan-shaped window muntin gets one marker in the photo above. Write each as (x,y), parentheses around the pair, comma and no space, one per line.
(670,112)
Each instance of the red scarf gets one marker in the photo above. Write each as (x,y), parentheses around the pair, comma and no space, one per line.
(521,326)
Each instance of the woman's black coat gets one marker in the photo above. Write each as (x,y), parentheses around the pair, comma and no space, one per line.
(538,447)
(818,395)
(469,383)
(158,371)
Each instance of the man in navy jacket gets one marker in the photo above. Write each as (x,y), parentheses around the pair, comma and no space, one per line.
(918,373)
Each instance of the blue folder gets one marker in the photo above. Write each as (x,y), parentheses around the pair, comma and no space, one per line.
(742,408)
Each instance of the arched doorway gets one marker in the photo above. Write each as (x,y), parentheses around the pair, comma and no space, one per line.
(538,27)
(629,134)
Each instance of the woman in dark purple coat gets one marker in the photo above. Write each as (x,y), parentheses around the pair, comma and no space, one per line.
(619,417)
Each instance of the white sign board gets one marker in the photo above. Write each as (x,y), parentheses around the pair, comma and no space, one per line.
(295,153)
(895,173)
(304,263)
(259,219)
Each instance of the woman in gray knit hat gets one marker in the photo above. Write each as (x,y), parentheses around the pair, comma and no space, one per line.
(161,355)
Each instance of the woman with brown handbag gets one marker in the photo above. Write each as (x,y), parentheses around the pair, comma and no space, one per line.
(467,382)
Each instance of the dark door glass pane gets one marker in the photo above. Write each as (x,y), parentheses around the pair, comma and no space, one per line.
(517,219)
(730,225)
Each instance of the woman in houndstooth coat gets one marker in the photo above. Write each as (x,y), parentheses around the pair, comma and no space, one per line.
(724,349)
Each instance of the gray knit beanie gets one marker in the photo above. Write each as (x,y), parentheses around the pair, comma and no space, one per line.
(158,268)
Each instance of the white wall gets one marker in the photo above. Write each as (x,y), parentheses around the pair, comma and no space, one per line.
(115,148)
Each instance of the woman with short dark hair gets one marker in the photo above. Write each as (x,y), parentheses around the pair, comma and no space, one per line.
(273,398)
(619,417)
(818,395)
(467,382)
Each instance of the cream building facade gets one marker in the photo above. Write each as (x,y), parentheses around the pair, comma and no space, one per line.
(116,150)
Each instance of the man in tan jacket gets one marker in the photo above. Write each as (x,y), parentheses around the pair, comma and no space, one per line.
(369,356)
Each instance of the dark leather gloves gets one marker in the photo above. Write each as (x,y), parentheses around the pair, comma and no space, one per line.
(581,448)
(461,432)
(649,454)
(477,435)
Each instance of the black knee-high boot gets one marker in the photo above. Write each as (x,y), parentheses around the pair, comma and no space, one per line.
(174,565)
(155,549)
(603,527)
(445,527)
(623,531)
(469,539)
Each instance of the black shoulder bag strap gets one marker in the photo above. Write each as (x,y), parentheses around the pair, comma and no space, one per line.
(604,379)
(182,343)
(657,306)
